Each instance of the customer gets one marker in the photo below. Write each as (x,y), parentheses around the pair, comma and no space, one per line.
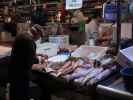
(39,15)
(91,28)
(22,58)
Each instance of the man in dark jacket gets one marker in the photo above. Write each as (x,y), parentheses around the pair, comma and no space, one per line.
(39,16)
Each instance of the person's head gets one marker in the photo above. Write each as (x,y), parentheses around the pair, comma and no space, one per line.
(36,32)
(88,19)
(39,8)
(98,17)
(23,49)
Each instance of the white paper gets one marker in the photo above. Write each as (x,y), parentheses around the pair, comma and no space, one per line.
(74,4)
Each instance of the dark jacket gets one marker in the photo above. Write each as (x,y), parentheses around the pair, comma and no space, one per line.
(22,56)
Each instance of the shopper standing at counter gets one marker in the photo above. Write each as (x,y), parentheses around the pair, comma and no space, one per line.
(91,28)
(22,58)
(22,70)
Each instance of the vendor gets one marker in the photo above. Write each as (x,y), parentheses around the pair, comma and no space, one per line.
(91,28)
(36,32)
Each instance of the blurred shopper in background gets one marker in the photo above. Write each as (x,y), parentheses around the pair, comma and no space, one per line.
(39,15)
(91,29)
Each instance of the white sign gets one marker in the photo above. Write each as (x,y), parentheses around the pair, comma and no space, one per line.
(74,4)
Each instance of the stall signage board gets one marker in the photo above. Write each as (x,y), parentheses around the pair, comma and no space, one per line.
(74,4)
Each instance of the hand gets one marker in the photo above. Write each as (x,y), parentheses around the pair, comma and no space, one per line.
(39,67)
(43,55)
(42,58)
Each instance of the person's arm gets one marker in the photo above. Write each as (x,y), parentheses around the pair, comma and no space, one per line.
(39,66)
(40,62)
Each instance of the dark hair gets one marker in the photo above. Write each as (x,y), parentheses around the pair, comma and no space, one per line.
(37,31)
(22,56)
(23,49)
(88,20)
(96,14)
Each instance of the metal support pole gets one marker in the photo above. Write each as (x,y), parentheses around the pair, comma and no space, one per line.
(132,29)
(118,22)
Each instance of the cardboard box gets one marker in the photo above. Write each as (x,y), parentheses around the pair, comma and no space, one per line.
(125,57)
